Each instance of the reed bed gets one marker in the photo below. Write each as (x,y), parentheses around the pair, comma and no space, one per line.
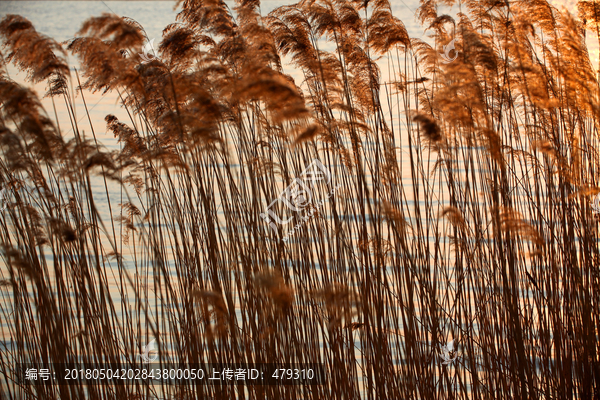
(462,209)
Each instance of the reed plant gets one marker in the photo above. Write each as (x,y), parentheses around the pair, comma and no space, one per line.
(463,213)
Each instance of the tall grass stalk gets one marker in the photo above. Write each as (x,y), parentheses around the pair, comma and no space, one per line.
(463,211)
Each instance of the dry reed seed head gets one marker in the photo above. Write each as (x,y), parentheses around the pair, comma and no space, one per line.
(494,146)
(546,147)
(104,66)
(23,107)
(370,245)
(40,56)
(341,304)
(167,123)
(280,97)
(209,16)
(99,159)
(122,33)
(459,246)
(386,32)
(429,127)
(133,144)
(17,101)
(63,230)
(589,14)
(427,11)
(211,297)
(351,126)
(585,191)
(17,261)
(353,326)
(276,288)
(257,37)
(393,214)
(219,313)
(179,46)
(455,217)
(479,51)
(135,181)
(439,25)
(16,158)
(252,5)
(307,134)
(202,115)
(292,33)
(336,294)
(37,223)
(512,221)
(131,210)
(57,86)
